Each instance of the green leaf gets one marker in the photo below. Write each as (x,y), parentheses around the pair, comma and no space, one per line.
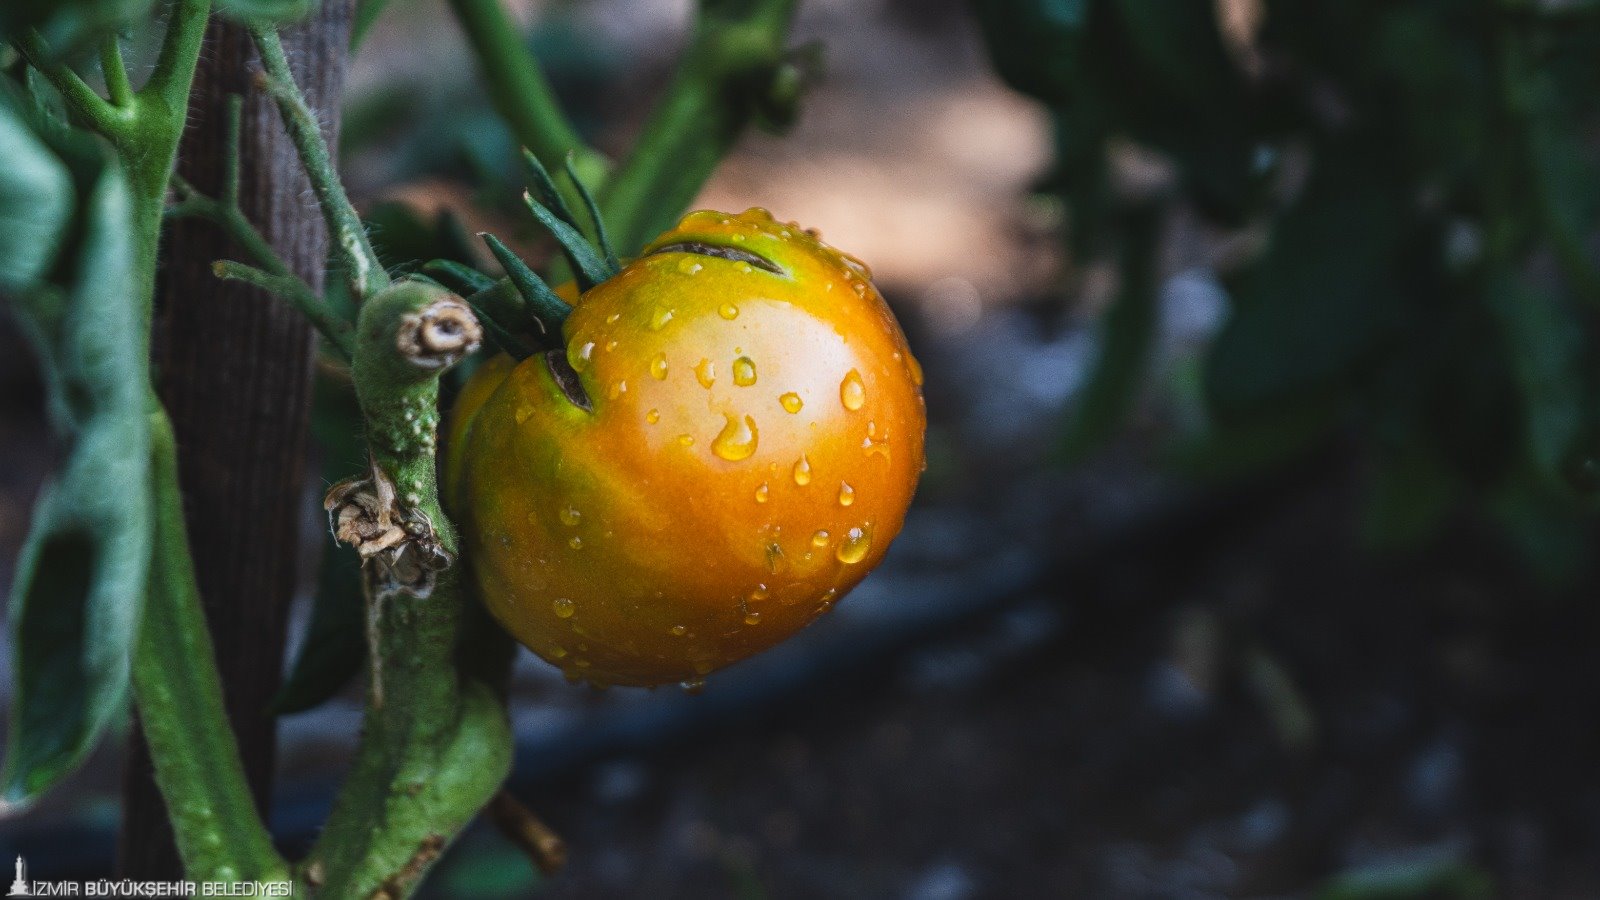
(80,584)
(1544,340)
(1323,297)
(36,204)
(69,27)
(1035,44)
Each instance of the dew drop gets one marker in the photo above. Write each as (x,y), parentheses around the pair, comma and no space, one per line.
(558,653)
(737,440)
(761,492)
(791,402)
(760,593)
(612,319)
(617,390)
(570,516)
(523,412)
(660,318)
(679,630)
(658,367)
(847,494)
(575,542)
(852,393)
(610,346)
(686,440)
(689,266)
(854,547)
(705,372)
(802,471)
(820,539)
(728,311)
(752,618)
(744,371)
(653,416)
(579,358)
(564,608)
(916,370)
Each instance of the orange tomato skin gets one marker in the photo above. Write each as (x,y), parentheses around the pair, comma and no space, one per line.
(755,440)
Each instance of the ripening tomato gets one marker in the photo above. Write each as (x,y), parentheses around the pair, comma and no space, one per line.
(753,436)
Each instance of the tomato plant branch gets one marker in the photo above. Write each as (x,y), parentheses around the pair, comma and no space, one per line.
(86,107)
(734,71)
(435,745)
(520,93)
(291,287)
(219,835)
(115,71)
(364,271)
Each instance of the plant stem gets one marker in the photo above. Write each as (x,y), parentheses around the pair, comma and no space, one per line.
(522,96)
(116,73)
(363,269)
(285,284)
(434,746)
(196,762)
(712,98)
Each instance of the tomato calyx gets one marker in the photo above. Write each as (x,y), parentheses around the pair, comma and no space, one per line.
(734,254)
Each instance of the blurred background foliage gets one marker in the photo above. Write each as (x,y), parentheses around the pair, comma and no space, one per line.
(1421,185)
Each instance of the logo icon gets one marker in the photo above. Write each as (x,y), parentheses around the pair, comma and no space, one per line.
(19,885)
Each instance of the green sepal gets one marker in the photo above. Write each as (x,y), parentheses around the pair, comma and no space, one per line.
(543,303)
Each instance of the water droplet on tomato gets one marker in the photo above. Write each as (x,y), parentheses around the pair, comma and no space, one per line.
(761,492)
(760,593)
(523,412)
(658,367)
(660,318)
(689,266)
(653,416)
(744,371)
(802,471)
(791,402)
(853,549)
(686,440)
(728,311)
(578,358)
(705,372)
(575,542)
(617,390)
(570,516)
(737,439)
(820,539)
(752,618)
(680,630)
(847,494)
(852,393)
(564,608)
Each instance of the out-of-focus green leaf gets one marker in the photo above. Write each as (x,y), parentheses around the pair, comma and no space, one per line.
(1035,43)
(1321,299)
(80,581)
(36,205)
(1544,340)
(1409,493)
(69,27)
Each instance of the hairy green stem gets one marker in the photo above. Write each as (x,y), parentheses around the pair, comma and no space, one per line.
(362,268)
(435,746)
(219,835)
(285,284)
(712,98)
(116,73)
(522,96)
